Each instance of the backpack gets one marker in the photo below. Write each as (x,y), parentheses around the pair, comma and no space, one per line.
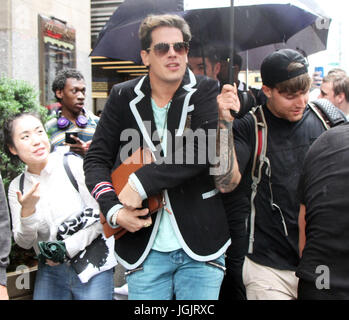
(329,115)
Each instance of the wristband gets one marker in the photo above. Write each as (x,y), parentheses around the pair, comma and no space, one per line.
(114,217)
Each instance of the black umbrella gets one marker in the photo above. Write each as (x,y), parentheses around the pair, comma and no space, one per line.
(256,23)
(309,40)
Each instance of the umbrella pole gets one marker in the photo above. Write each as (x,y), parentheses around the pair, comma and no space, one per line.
(203,56)
(247,69)
(231,51)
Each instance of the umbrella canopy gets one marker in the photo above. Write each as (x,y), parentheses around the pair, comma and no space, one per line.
(119,37)
(257,23)
(310,40)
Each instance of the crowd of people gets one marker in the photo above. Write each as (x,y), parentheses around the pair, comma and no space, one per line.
(253,181)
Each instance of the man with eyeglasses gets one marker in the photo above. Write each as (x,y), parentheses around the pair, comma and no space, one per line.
(178,251)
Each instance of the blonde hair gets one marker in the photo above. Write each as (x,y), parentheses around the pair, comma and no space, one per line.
(152,22)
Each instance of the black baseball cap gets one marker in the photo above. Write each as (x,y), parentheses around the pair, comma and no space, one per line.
(274,66)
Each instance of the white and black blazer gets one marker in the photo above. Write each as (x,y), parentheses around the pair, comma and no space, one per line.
(198,215)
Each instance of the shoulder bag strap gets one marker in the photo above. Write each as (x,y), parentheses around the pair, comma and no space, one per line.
(69,172)
(21,183)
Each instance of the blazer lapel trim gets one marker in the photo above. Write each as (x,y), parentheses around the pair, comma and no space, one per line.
(133,103)
(186,108)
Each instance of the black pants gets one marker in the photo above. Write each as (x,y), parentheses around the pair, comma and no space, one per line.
(232,286)
(307,291)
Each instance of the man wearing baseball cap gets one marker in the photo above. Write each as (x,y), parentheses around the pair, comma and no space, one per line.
(270,167)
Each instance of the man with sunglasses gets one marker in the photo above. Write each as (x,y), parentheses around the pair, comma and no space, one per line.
(178,251)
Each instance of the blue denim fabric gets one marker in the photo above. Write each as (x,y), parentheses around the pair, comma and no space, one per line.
(62,283)
(168,275)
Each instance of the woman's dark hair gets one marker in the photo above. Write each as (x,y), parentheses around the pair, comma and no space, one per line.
(8,133)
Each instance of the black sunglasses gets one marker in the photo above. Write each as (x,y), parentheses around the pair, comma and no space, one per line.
(162,48)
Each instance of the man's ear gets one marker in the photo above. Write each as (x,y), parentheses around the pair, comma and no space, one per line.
(217,68)
(59,94)
(145,57)
(339,98)
(267,91)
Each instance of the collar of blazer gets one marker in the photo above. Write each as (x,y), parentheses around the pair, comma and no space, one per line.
(177,116)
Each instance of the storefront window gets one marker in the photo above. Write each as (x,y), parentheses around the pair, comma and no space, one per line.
(57,51)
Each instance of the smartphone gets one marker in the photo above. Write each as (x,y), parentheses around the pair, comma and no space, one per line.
(69,139)
(320,70)
(317,78)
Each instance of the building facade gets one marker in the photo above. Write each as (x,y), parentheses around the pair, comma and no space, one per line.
(40,37)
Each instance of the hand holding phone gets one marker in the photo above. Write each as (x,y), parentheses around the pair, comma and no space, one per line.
(69,139)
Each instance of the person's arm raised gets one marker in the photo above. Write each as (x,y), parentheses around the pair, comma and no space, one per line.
(226,173)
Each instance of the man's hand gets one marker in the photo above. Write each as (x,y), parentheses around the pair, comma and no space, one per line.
(130,198)
(29,200)
(80,147)
(226,173)
(3,293)
(131,221)
(317,80)
(228,100)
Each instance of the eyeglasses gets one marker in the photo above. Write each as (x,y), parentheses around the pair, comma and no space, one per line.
(162,48)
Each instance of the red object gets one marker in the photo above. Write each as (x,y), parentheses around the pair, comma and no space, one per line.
(53,106)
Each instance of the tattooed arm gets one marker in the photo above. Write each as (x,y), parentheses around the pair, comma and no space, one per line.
(227,175)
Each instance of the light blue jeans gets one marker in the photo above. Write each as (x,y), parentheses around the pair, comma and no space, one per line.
(168,275)
(62,283)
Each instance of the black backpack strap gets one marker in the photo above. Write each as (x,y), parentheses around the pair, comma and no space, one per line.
(68,170)
(329,113)
(21,183)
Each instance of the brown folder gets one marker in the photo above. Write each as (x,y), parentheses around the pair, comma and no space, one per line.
(119,179)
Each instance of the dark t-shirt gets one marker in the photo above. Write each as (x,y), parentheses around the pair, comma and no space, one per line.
(324,189)
(287,145)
